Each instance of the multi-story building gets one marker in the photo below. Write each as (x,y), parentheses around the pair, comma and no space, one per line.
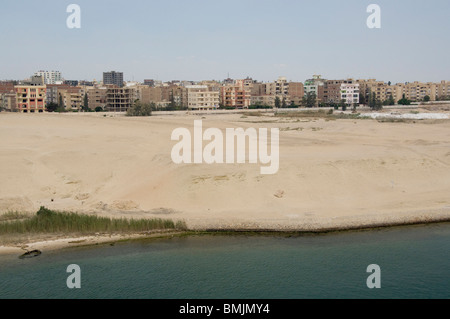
(258,89)
(96,96)
(443,90)
(284,90)
(350,93)
(416,91)
(315,86)
(114,78)
(8,101)
(71,82)
(150,94)
(236,95)
(53,92)
(279,87)
(7,96)
(263,100)
(30,98)
(383,91)
(119,99)
(71,98)
(296,90)
(201,97)
(332,91)
(50,77)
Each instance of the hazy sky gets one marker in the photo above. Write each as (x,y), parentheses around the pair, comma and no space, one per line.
(207,39)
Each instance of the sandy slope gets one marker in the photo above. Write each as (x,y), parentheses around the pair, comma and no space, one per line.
(332,173)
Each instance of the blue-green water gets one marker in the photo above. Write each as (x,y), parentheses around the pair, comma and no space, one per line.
(414,261)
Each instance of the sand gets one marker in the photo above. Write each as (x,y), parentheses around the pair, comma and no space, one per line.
(333,174)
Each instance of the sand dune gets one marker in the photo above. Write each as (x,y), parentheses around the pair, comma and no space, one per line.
(341,173)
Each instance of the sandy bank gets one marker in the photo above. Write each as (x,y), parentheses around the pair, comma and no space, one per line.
(333,173)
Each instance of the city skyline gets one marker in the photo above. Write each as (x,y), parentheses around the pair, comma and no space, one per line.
(200,40)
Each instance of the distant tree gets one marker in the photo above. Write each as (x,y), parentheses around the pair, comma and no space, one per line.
(375,103)
(60,101)
(98,109)
(362,99)
(389,101)
(378,105)
(277,102)
(343,105)
(172,104)
(61,106)
(86,103)
(310,99)
(52,107)
(426,98)
(389,83)
(141,109)
(283,103)
(404,101)
(372,99)
(292,105)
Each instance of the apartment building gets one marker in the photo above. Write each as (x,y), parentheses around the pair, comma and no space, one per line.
(443,90)
(53,92)
(71,98)
(264,100)
(289,91)
(7,96)
(416,91)
(119,99)
(332,90)
(8,101)
(30,98)
(350,93)
(113,78)
(201,97)
(279,87)
(96,96)
(316,86)
(50,77)
(258,89)
(296,90)
(236,95)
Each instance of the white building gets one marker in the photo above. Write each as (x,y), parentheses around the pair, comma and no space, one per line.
(50,77)
(350,93)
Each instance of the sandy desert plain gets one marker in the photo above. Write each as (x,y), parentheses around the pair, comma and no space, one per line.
(333,173)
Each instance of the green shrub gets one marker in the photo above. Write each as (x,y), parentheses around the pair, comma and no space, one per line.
(140,109)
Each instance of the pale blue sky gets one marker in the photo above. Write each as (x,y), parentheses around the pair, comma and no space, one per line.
(201,39)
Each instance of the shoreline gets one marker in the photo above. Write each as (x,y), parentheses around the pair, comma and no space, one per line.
(62,242)
(334,175)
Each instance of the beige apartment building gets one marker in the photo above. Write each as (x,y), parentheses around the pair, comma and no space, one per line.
(416,91)
(289,91)
(8,102)
(266,100)
(381,89)
(201,97)
(279,87)
(96,97)
(413,91)
(71,98)
(7,96)
(443,90)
